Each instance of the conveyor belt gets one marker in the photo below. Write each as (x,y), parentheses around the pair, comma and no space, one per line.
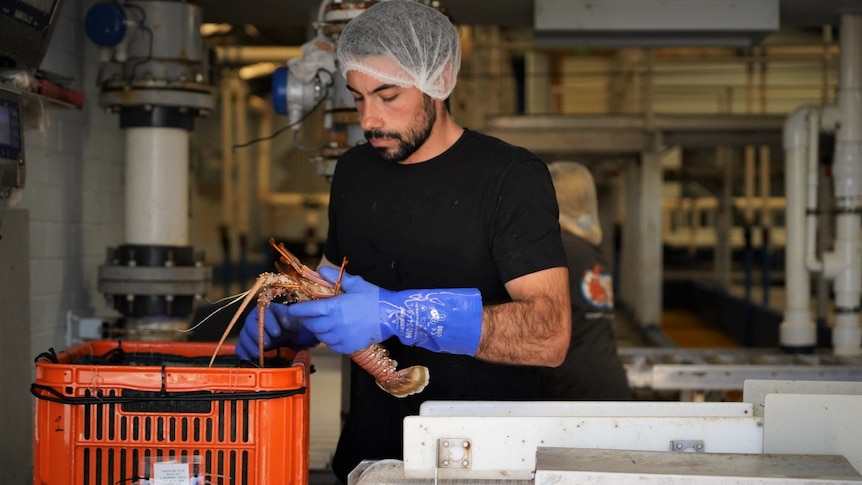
(716,369)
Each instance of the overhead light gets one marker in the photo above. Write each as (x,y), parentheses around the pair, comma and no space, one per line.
(208,30)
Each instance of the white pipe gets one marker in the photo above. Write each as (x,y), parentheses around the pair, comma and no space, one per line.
(264,146)
(320,11)
(255,54)
(847,169)
(848,138)
(827,63)
(157,186)
(811,261)
(797,330)
(297,199)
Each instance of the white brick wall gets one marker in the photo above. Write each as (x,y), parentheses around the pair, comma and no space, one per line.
(74,190)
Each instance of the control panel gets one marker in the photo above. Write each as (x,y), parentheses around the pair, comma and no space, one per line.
(11,143)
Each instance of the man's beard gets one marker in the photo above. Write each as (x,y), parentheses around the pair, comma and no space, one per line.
(415,138)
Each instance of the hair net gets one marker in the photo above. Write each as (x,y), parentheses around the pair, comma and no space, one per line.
(405,43)
(576,195)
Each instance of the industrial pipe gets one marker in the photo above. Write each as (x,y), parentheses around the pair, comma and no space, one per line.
(846,262)
(843,265)
(264,147)
(157,178)
(157,84)
(811,260)
(797,332)
(234,55)
(264,158)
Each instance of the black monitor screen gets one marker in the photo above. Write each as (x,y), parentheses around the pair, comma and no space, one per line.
(5,126)
(43,5)
(25,30)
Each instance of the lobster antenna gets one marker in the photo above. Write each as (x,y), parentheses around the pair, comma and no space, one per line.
(233,299)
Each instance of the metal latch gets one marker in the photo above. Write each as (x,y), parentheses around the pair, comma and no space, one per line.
(454,453)
(687,446)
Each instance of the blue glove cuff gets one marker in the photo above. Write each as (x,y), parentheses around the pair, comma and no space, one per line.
(447,320)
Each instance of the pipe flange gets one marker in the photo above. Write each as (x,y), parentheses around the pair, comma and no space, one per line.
(181,84)
(202,101)
(154,280)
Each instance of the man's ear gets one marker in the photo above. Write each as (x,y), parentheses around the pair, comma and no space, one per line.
(448,79)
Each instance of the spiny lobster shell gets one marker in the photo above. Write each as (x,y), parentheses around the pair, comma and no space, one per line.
(296,282)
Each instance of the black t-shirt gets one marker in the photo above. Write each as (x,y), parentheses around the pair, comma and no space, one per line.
(592,370)
(478,215)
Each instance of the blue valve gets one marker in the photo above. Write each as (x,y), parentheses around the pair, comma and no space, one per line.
(105,24)
(279,90)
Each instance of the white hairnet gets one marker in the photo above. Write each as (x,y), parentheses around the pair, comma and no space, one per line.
(405,43)
(576,196)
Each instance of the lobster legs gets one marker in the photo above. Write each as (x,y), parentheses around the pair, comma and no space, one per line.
(296,282)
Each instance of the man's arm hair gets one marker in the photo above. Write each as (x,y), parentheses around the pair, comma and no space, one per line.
(534,328)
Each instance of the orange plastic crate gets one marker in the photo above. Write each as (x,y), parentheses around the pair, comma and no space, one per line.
(107,412)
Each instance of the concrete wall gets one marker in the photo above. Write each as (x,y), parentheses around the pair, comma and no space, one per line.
(72,209)
(15,406)
(74,190)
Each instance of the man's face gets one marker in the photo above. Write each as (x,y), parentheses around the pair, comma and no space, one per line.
(397,120)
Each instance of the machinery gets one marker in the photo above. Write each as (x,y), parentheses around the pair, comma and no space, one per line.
(313,79)
(154,75)
(781,432)
(12,168)
(26,28)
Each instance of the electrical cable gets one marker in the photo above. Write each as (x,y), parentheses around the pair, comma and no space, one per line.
(300,146)
(295,123)
(296,142)
(143,26)
(278,131)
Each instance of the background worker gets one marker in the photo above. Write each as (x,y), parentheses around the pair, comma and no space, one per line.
(455,260)
(592,370)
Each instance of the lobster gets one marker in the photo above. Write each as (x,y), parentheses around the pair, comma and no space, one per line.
(296,282)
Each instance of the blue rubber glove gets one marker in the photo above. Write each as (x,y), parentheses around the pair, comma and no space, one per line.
(280,330)
(440,320)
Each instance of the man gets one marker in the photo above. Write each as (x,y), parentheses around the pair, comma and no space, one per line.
(453,245)
(592,370)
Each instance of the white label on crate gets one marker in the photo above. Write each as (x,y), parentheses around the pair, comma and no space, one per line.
(171,474)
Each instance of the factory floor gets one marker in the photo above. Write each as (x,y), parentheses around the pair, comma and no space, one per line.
(686,330)
(321,477)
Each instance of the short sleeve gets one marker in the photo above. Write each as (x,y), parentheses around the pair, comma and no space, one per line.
(526,230)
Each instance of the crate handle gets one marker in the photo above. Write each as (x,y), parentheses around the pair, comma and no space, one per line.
(50,355)
(48,393)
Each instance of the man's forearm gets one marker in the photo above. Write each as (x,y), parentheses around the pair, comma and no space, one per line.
(531,331)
